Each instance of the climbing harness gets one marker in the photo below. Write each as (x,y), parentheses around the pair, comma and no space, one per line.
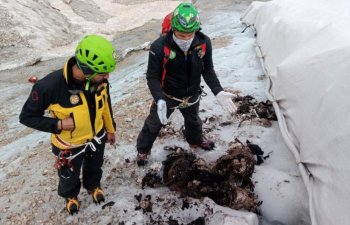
(63,164)
(183,102)
(65,157)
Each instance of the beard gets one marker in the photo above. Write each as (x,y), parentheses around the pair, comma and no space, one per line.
(78,82)
(97,82)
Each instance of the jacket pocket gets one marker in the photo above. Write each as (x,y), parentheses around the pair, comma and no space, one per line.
(71,115)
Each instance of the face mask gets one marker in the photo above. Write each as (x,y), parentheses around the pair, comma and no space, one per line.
(183,44)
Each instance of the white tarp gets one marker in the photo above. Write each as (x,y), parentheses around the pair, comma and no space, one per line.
(305,50)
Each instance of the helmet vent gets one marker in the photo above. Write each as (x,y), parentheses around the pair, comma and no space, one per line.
(96,53)
(182,21)
(185,18)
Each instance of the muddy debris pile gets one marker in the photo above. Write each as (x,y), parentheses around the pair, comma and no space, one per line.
(227,181)
(249,108)
(145,203)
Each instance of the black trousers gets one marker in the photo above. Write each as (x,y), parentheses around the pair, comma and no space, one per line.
(91,162)
(152,125)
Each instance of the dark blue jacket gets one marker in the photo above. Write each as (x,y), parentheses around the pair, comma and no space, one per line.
(184,72)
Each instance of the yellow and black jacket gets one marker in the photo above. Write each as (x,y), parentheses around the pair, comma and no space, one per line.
(63,97)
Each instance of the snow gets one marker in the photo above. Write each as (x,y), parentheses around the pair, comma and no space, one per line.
(64,25)
(278,182)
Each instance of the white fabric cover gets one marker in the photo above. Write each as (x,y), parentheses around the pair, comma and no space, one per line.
(305,50)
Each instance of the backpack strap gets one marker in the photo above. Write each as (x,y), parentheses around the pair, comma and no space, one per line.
(201,50)
(166,50)
(204,48)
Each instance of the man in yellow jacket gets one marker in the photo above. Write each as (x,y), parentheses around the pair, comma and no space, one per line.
(81,119)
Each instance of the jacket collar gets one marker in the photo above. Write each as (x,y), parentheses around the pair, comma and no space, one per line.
(68,75)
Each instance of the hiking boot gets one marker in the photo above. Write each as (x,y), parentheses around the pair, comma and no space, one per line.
(72,205)
(98,195)
(141,159)
(206,145)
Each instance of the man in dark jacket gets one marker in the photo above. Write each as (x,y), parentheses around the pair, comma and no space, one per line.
(81,120)
(175,66)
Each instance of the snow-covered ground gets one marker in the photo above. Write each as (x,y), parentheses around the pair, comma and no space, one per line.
(39,30)
(28,179)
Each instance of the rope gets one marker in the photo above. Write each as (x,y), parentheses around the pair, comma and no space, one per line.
(183,102)
(89,144)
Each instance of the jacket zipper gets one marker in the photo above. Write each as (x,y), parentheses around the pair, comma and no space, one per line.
(185,53)
(71,132)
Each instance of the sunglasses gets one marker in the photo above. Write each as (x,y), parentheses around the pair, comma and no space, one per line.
(85,68)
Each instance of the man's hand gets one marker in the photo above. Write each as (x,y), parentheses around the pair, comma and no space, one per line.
(225,100)
(161,110)
(111,138)
(66,124)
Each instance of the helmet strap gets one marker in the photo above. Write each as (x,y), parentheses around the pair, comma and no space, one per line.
(87,85)
(88,79)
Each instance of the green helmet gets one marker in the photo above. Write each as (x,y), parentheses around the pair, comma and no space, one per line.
(97,53)
(185,18)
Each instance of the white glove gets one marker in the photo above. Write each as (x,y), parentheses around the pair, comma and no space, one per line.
(225,100)
(161,110)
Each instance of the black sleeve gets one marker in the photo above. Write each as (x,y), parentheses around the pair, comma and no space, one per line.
(155,70)
(209,74)
(32,114)
(110,106)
